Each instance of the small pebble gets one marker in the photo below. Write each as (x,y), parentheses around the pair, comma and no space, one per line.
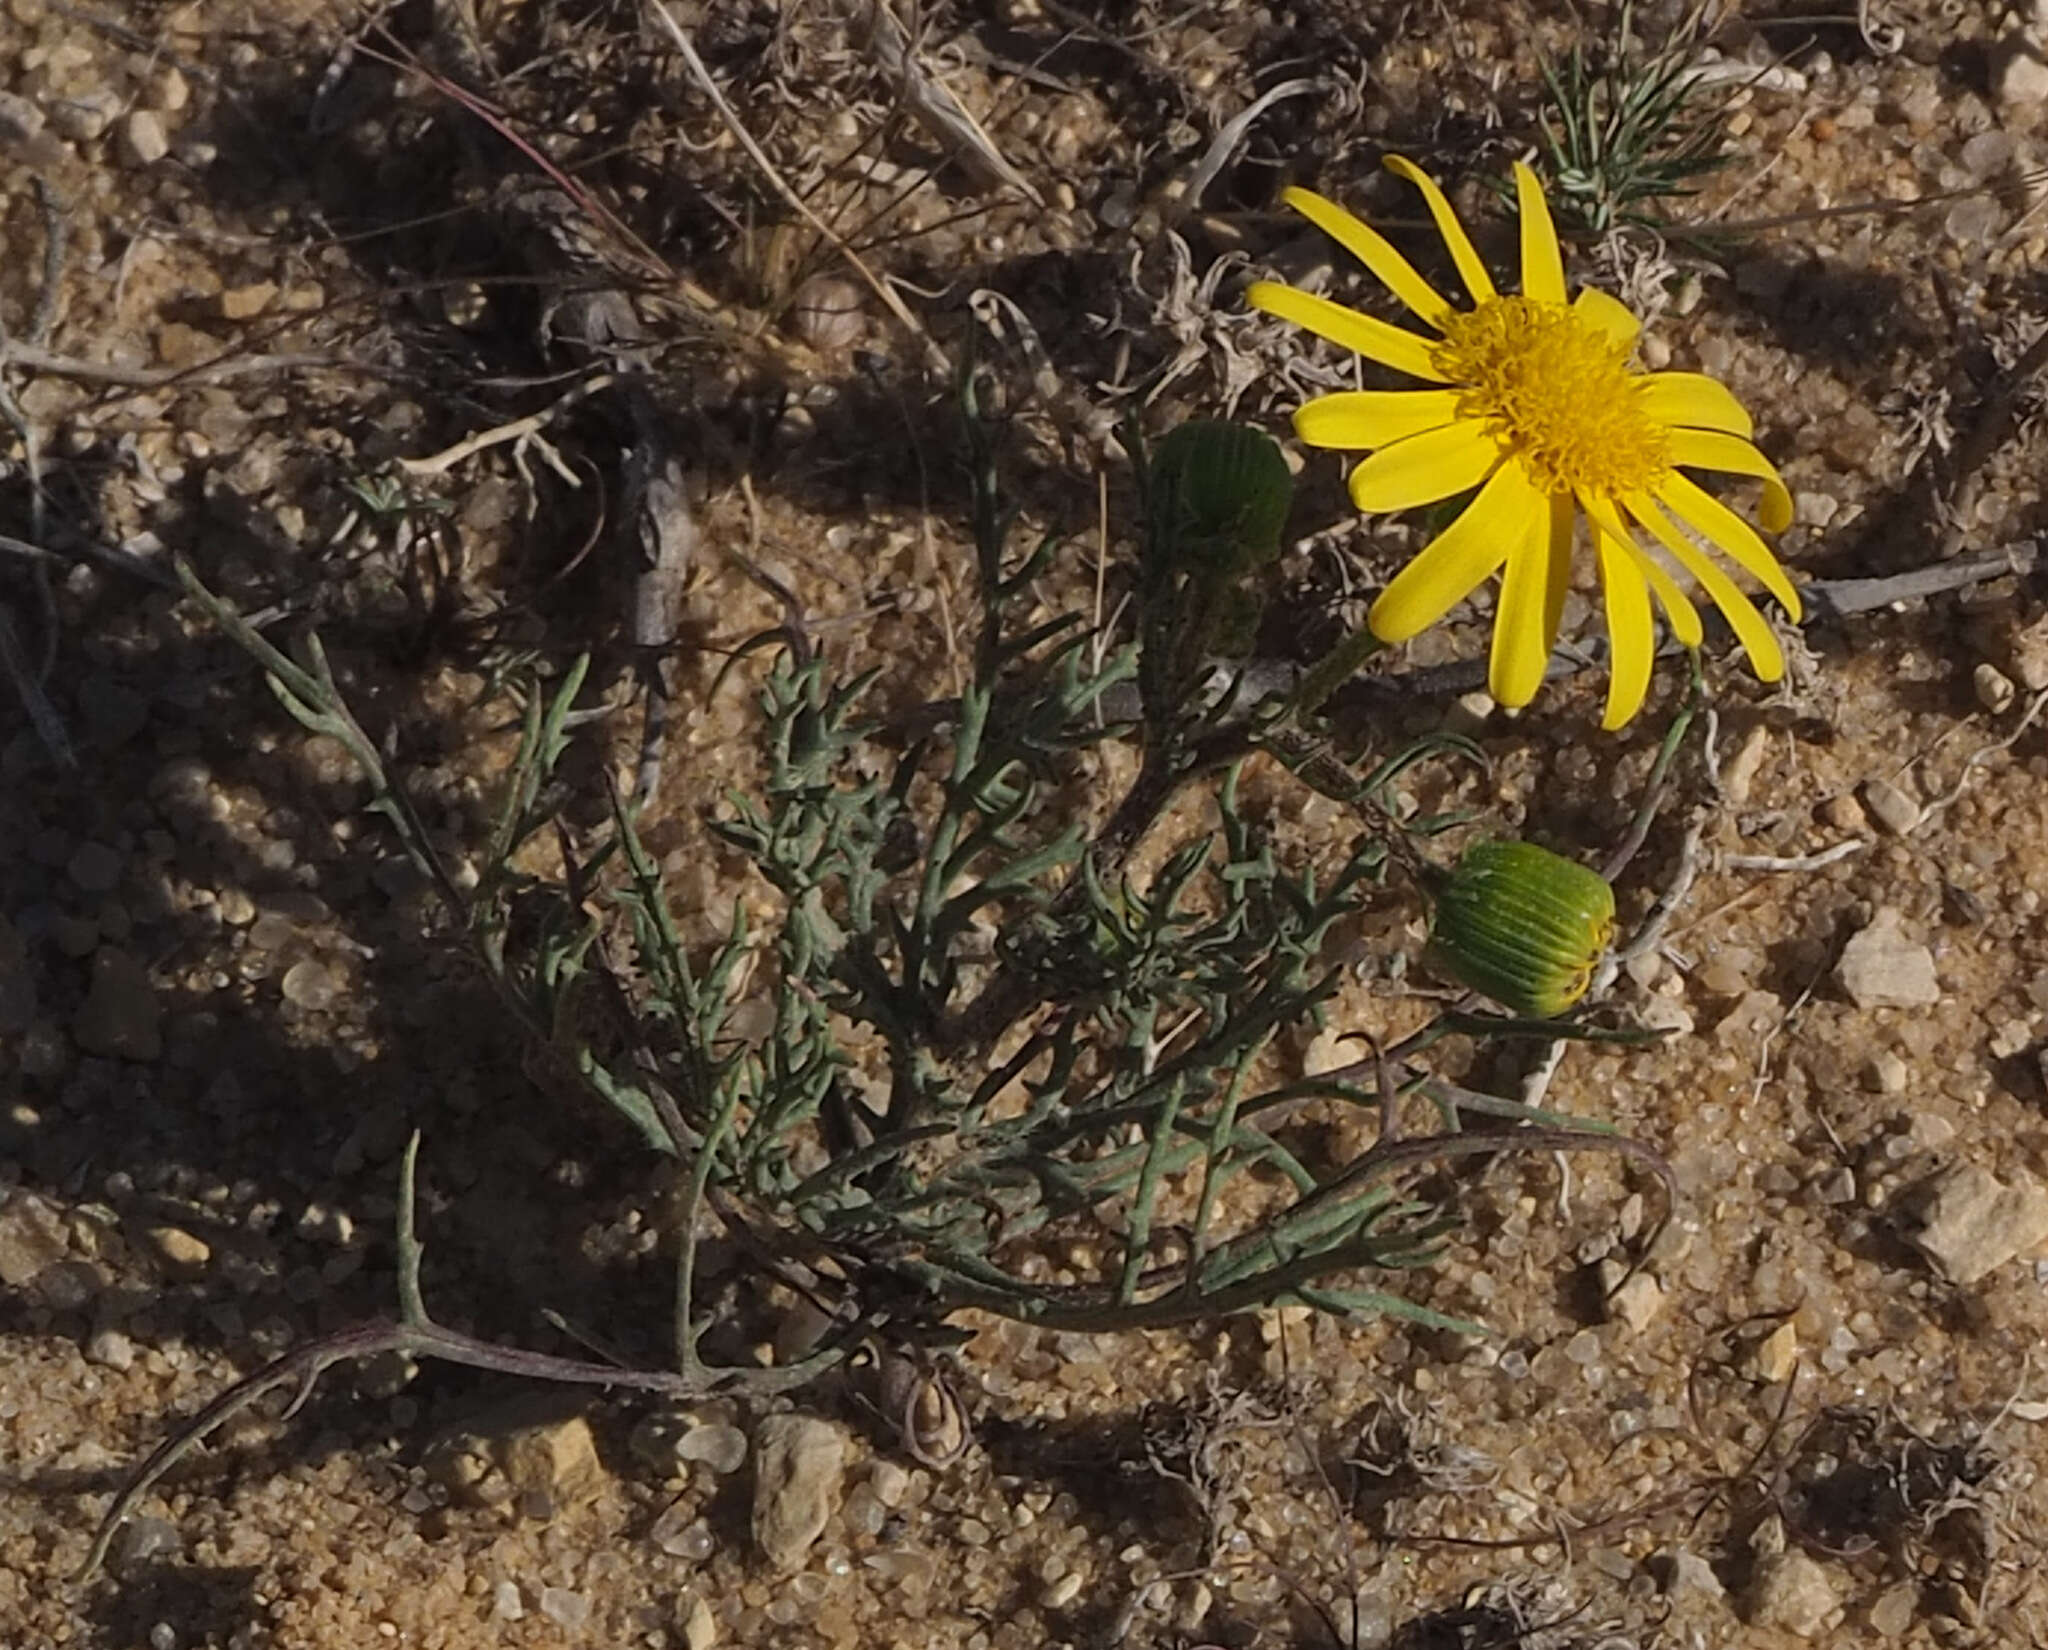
(891,1483)
(85,115)
(799,1462)
(1893,1611)
(1891,807)
(144,138)
(1972,1223)
(1995,691)
(1846,814)
(721,1448)
(311,985)
(1777,1354)
(1881,968)
(1739,777)
(179,1248)
(143,1540)
(2020,78)
(506,1604)
(1793,1593)
(564,1608)
(170,92)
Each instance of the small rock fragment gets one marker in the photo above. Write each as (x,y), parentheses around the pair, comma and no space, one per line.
(799,1462)
(170,91)
(1662,1013)
(1891,807)
(178,1248)
(84,115)
(564,1608)
(720,1447)
(144,138)
(1894,1609)
(31,1238)
(1846,814)
(1995,691)
(1881,968)
(110,1349)
(1752,1018)
(2028,647)
(552,1463)
(535,1453)
(310,984)
(1888,1072)
(2021,76)
(120,1018)
(1777,1354)
(1636,1301)
(242,303)
(1971,1223)
(890,1482)
(700,1626)
(1738,778)
(1686,1572)
(1792,1593)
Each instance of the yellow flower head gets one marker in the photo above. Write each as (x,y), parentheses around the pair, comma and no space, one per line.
(1543,411)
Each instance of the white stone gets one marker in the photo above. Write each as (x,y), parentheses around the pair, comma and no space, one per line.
(2022,75)
(1881,968)
(799,1462)
(144,138)
(1793,1593)
(1891,807)
(1971,1223)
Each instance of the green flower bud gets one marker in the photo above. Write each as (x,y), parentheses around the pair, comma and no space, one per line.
(1220,494)
(1523,926)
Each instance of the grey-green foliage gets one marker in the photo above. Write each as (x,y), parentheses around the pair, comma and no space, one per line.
(1058,1047)
(1065,1048)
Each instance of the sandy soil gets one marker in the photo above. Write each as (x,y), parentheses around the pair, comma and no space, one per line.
(225,1000)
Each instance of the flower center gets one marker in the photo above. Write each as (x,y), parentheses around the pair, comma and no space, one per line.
(1556,394)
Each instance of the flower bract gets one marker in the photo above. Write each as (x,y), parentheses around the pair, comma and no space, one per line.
(1536,407)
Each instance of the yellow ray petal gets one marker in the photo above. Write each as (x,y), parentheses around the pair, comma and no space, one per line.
(1563,524)
(1679,612)
(1766,657)
(1692,398)
(1727,531)
(1458,560)
(1375,251)
(1470,270)
(1710,450)
(1377,340)
(1542,259)
(1426,467)
(1631,642)
(1608,315)
(1364,419)
(1682,616)
(1539,570)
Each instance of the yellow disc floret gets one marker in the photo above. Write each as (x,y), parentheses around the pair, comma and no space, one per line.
(1556,393)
